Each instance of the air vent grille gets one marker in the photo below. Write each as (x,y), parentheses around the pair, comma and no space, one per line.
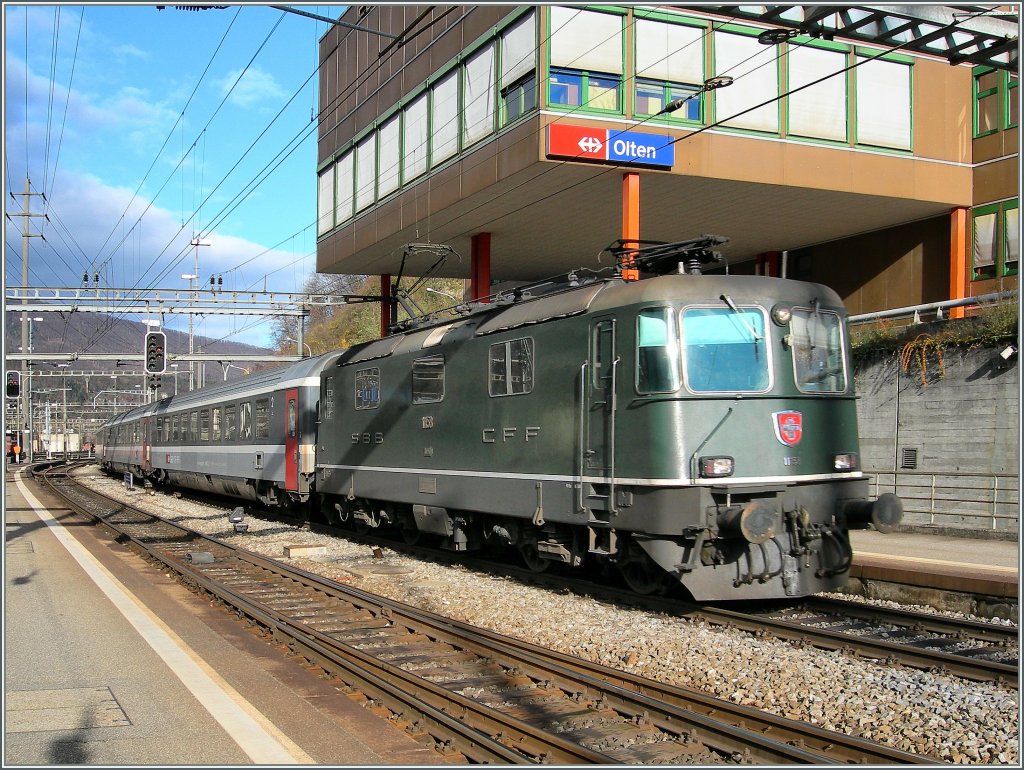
(908,458)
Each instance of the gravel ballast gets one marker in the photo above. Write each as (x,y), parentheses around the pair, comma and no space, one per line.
(940,716)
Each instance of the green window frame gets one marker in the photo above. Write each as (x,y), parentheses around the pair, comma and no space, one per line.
(1012,103)
(650,93)
(582,89)
(995,240)
(987,104)
(518,98)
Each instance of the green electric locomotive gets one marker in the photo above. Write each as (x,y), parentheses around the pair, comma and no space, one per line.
(684,427)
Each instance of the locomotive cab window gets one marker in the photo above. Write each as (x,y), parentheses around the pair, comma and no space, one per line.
(657,352)
(725,350)
(510,368)
(428,380)
(817,342)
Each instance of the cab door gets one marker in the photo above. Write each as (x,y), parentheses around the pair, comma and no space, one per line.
(291,440)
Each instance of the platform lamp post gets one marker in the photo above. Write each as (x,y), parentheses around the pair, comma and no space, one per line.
(190,277)
(175,368)
(28,449)
(64,419)
(309,350)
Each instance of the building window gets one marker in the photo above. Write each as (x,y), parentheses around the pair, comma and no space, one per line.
(478,91)
(428,380)
(367,388)
(444,113)
(995,243)
(519,98)
(669,66)
(987,117)
(389,142)
(366,171)
(414,135)
(817,111)
(586,59)
(346,178)
(652,97)
(325,201)
(884,102)
(595,91)
(755,80)
(518,82)
(1012,103)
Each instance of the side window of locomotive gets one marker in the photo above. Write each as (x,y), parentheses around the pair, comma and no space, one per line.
(328,400)
(725,350)
(231,422)
(657,351)
(510,368)
(817,344)
(428,380)
(367,384)
(215,425)
(244,421)
(263,418)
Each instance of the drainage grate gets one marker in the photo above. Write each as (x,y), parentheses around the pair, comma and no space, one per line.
(19,545)
(34,711)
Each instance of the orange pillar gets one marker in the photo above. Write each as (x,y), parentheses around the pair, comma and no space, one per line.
(630,221)
(959,231)
(386,304)
(480,267)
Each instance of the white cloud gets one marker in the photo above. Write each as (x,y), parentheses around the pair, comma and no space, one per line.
(255,88)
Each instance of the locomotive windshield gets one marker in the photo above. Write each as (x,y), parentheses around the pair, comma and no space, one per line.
(725,349)
(818,360)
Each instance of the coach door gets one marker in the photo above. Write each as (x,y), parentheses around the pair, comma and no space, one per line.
(599,378)
(291,440)
(147,449)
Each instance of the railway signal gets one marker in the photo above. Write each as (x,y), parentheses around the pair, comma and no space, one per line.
(156,346)
(13,384)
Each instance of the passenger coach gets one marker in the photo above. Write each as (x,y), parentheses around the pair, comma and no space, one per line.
(252,438)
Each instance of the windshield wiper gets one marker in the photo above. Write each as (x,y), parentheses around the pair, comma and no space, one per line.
(743,319)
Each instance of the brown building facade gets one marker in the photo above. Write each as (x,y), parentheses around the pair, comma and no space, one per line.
(528,138)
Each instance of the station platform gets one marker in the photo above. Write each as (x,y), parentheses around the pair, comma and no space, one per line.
(109,661)
(984,569)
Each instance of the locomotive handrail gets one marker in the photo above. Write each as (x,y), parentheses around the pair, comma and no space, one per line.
(583,440)
(611,437)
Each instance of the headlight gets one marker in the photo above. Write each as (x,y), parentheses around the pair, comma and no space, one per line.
(781,314)
(845,462)
(714,467)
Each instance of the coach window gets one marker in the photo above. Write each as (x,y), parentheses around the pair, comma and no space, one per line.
(367,385)
(428,380)
(263,418)
(293,417)
(204,425)
(193,427)
(215,425)
(657,351)
(174,429)
(231,422)
(159,430)
(510,368)
(244,421)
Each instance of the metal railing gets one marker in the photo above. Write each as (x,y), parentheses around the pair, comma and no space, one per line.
(954,499)
(915,311)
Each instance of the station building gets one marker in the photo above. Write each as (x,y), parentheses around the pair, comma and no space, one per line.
(874,152)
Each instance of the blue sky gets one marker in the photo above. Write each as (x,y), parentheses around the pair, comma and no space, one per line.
(144,127)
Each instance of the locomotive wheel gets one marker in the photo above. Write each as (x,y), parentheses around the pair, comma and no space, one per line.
(641,574)
(532,558)
(410,534)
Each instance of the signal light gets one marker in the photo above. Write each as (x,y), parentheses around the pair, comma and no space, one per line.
(13,384)
(156,347)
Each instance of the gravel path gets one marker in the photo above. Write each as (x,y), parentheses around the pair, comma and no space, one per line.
(940,716)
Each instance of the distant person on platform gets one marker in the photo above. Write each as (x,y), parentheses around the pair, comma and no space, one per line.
(17,453)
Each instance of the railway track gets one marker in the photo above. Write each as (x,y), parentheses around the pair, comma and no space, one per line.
(469,691)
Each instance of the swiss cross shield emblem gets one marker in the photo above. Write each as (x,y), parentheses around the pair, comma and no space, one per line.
(789,427)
